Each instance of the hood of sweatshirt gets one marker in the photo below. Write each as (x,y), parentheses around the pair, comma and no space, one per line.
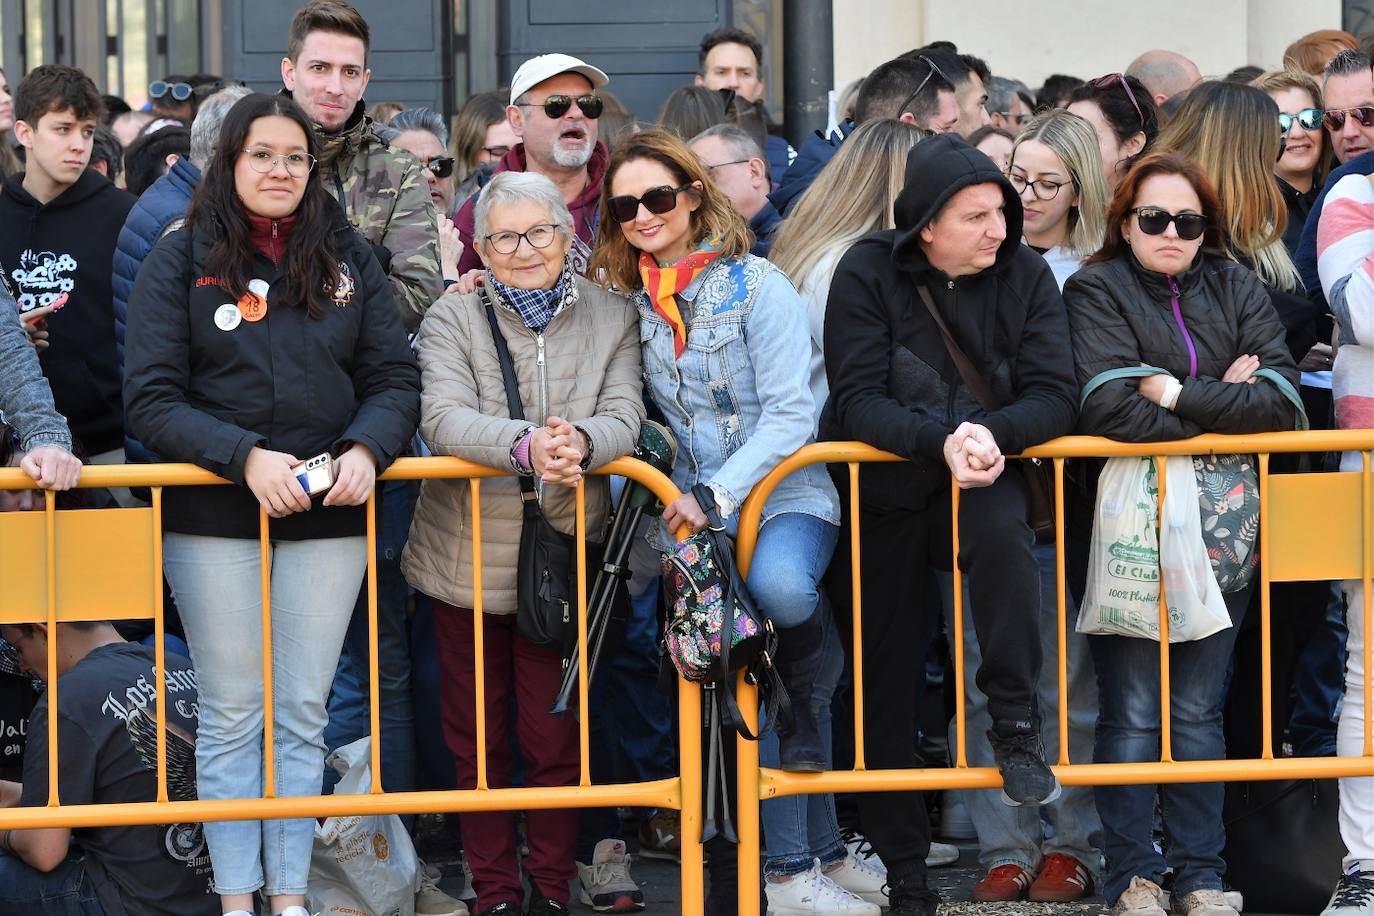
(84,188)
(936,170)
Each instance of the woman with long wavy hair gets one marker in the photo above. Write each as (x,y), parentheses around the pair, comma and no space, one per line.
(1302,166)
(1230,131)
(261,335)
(851,197)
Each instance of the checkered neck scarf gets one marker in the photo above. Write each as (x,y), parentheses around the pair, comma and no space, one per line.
(537,307)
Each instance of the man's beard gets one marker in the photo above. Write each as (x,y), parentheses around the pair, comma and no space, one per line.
(572,158)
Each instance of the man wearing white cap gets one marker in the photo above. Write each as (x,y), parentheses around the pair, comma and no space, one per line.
(553,109)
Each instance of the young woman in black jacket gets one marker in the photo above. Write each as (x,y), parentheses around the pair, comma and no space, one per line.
(1162,293)
(261,335)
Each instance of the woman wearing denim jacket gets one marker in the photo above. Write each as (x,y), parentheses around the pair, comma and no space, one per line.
(726,354)
(26,403)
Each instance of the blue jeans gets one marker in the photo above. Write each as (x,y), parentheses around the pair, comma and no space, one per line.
(1017,836)
(1128,731)
(64,891)
(217,587)
(348,702)
(792,554)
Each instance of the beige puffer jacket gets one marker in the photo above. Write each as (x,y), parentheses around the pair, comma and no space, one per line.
(591,377)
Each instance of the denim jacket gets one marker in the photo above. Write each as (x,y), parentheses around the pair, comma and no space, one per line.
(738,399)
(25,398)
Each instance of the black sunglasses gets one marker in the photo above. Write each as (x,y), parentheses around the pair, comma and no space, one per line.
(1153,221)
(1334,118)
(556,106)
(1112,79)
(179,91)
(1307,119)
(661,199)
(440,166)
(933,70)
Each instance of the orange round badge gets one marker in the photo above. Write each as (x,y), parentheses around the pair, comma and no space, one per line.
(253,307)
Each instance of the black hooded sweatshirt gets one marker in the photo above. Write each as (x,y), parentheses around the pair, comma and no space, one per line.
(67,246)
(892,383)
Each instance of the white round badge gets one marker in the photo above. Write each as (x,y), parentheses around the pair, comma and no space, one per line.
(258,287)
(228,317)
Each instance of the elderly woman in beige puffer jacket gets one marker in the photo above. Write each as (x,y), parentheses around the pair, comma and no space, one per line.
(575,350)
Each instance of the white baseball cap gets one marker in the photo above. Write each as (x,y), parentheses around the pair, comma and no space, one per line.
(537,69)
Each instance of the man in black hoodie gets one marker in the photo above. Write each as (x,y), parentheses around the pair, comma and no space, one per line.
(893,384)
(59,222)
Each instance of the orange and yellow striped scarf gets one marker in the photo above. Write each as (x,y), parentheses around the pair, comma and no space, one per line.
(664,282)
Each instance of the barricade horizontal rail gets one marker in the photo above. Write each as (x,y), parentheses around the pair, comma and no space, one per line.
(104,574)
(1347,506)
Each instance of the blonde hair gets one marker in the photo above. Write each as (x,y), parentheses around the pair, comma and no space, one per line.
(851,197)
(1230,131)
(1278,81)
(1074,141)
(615,262)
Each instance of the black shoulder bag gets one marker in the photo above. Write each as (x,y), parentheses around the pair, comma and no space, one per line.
(546,591)
(1039,475)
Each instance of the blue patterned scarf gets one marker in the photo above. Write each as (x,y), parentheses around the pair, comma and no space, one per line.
(536,307)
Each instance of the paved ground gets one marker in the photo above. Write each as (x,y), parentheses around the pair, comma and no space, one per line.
(659,881)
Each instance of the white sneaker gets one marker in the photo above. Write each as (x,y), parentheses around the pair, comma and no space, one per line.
(430,901)
(812,893)
(1209,902)
(296,911)
(466,893)
(858,845)
(1142,898)
(606,885)
(955,823)
(864,878)
(1354,896)
(1234,899)
(941,854)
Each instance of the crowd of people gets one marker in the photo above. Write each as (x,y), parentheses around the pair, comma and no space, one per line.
(961,269)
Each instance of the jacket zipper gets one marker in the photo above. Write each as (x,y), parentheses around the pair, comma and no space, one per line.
(953,385)
(276,255)
(543,376)
(1183,327)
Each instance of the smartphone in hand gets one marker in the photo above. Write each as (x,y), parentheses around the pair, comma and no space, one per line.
(315,475)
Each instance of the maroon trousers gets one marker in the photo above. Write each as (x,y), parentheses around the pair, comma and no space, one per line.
(531,675)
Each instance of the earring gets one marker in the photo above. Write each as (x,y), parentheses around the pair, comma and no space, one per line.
(1128,239)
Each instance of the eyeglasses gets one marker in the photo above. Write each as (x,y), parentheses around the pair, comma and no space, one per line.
(1042,188)
(1153,221)
(1334,118)
(440,166)
(556,106)
(539,237)
(1307,119)
(1111,79)
(721,165)
(661,199)
(933,70)
(179,91)
(496,152)
(263,161)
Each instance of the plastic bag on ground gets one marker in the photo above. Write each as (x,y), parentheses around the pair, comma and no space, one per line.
(362,865)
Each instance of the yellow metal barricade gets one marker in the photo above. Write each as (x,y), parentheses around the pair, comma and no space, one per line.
(1312,527)
(106,564)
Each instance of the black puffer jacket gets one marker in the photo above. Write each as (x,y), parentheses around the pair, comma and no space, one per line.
(892,383)
(206,387)
(1122,315)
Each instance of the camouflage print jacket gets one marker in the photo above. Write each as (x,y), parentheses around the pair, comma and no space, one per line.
(384,192)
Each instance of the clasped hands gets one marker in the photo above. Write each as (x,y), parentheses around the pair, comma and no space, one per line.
(557,451)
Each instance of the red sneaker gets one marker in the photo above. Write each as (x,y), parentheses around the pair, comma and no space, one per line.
(1062,879)
(1003,884)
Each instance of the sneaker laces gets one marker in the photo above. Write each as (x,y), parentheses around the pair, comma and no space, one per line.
(862,848)
(824,889)
(1354,890)
(1021,749)
(861,864)
(604,873)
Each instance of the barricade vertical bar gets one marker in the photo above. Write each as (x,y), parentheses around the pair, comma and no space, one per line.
(957,650)
(374,714)
(1266,631)
(692,875)
(583,716)
(479,658)
(159,650)
(1368,512)
(860,764)
(50,531)
(747,790)
(1061,615)
(1166,749)
(268,725)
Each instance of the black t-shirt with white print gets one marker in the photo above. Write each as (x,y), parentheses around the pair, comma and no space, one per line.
(17,697)
(107,753)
